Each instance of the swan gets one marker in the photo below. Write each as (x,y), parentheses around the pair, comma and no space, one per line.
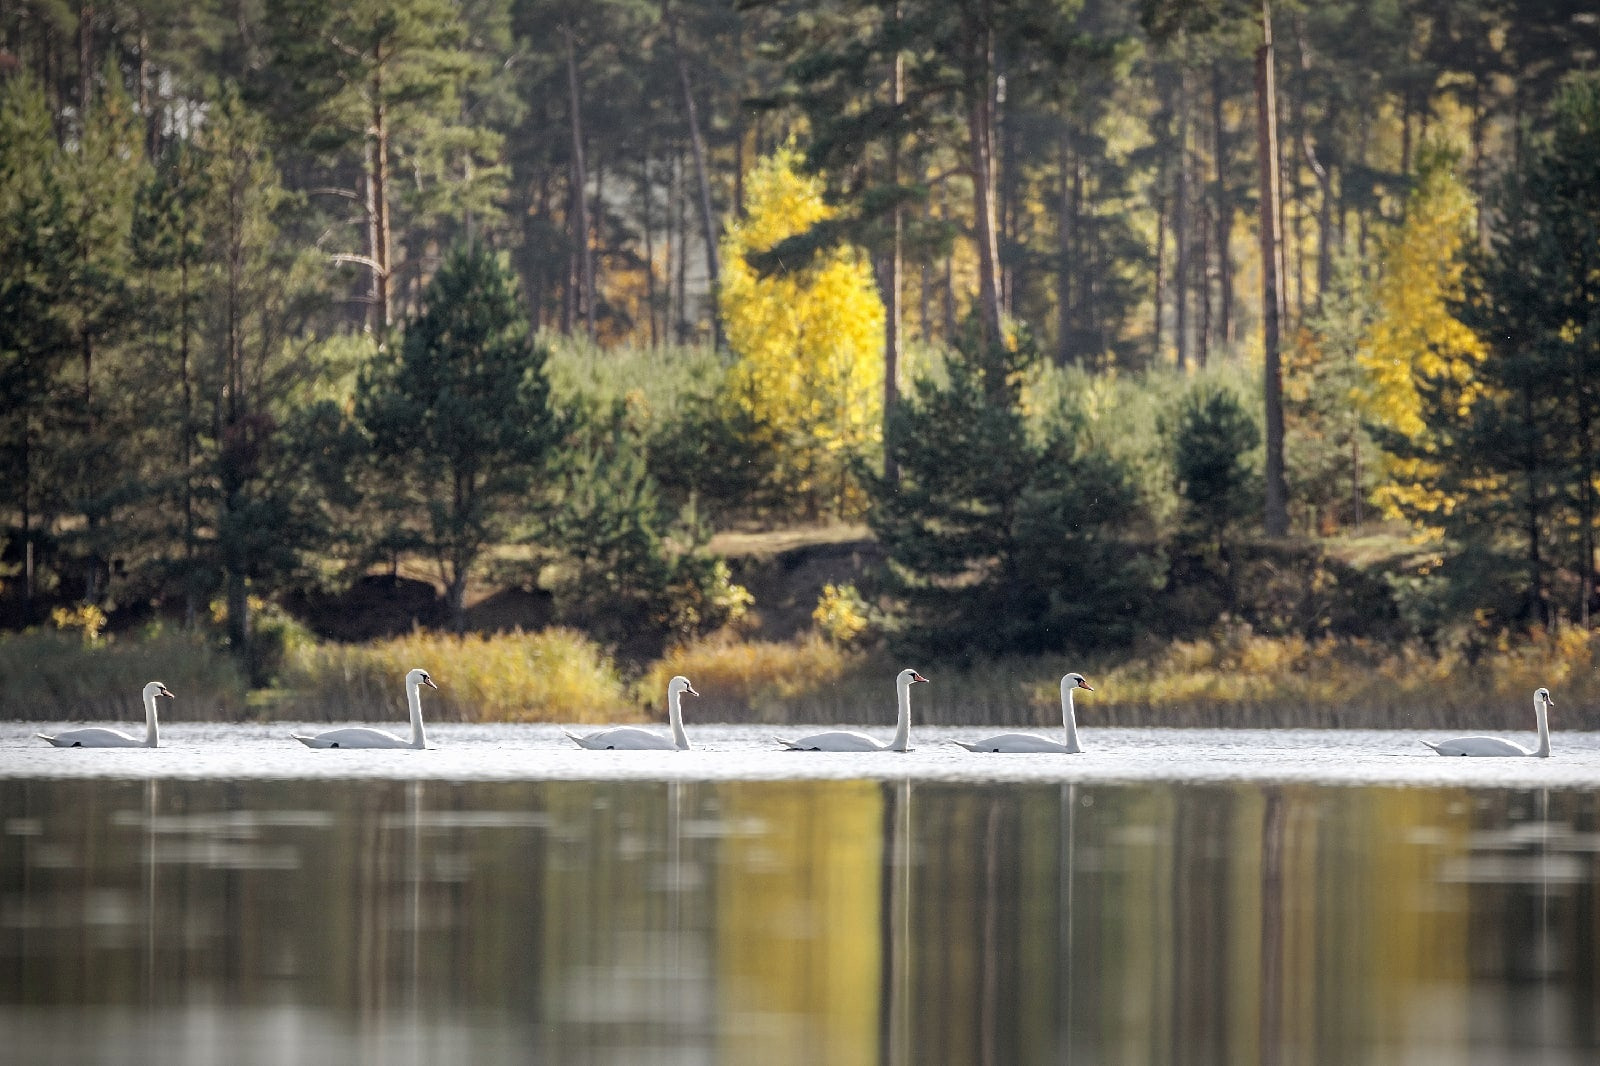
(632,738)
(844,740)
(363,737)
(1027,743)
(1494,746)
(100,737)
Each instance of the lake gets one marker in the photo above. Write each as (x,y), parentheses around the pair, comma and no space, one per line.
(1168,897)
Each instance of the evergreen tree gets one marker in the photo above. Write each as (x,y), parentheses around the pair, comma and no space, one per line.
(461,415)
(1211,446)
(258,298)
(1212,462)
(634,570)
(1001,540)
(1514,449)
(38,269)
(371,92)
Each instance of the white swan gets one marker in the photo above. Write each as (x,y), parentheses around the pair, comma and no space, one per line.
(363,737)
(845,740)
(632,738)
(1494,746)
(100,737)
(1028,743)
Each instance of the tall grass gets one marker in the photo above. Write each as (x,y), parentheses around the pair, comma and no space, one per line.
(48,676)
(1232,678)
(553,675)
(1236,678)
(754,681)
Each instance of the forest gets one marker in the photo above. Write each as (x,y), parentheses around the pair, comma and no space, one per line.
(1234,350)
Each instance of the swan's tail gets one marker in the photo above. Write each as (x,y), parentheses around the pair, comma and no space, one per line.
(964,744)
(309,742)
(786,743)
(1432,745)
(574,737)
(43,736)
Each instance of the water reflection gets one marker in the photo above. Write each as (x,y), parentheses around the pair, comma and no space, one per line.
(794,922)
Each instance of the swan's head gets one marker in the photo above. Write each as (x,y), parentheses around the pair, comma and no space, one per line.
(1542,696)
(680,684)
(909,677)
(1076,681)
(420,677)
(156,688)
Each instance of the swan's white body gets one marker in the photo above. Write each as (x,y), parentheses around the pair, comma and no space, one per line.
(363,737)
(1490,747)
(1033,743)
(847,740)
(101,737)
(633,738)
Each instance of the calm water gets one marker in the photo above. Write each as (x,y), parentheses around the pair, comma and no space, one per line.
(168,918)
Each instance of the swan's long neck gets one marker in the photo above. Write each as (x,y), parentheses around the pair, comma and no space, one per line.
(680,739)
(1543,717)
(902,729)
(414,698)
(1069,717)
(152,733)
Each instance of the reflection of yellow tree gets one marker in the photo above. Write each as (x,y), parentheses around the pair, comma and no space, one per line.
(799,908)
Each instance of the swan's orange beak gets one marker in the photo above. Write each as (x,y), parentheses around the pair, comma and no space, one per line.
(1085,686)
(915,677)
(165,693)
(690,690)
(426,680)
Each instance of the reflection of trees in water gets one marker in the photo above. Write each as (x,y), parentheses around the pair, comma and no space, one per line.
(826,921)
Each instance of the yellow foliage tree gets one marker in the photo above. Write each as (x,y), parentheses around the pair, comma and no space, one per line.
(809,342)
(1413,335)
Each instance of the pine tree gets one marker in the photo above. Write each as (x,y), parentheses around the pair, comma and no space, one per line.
(1001,540)
(462,415)
(1514,448)
(38,269)
(374,90)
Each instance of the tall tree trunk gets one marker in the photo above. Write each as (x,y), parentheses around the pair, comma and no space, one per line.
(1224,219)
(892,282)
(234,560)
(1065,350)
(187,447)
(980,143)
(1180,231)
(1202,290)
(1161,263)
(378,193)
(646,195)
(681,316)
(1277,488)
(697,145)
(580,200)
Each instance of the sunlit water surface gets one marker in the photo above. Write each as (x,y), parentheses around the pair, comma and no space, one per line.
(1168,897)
